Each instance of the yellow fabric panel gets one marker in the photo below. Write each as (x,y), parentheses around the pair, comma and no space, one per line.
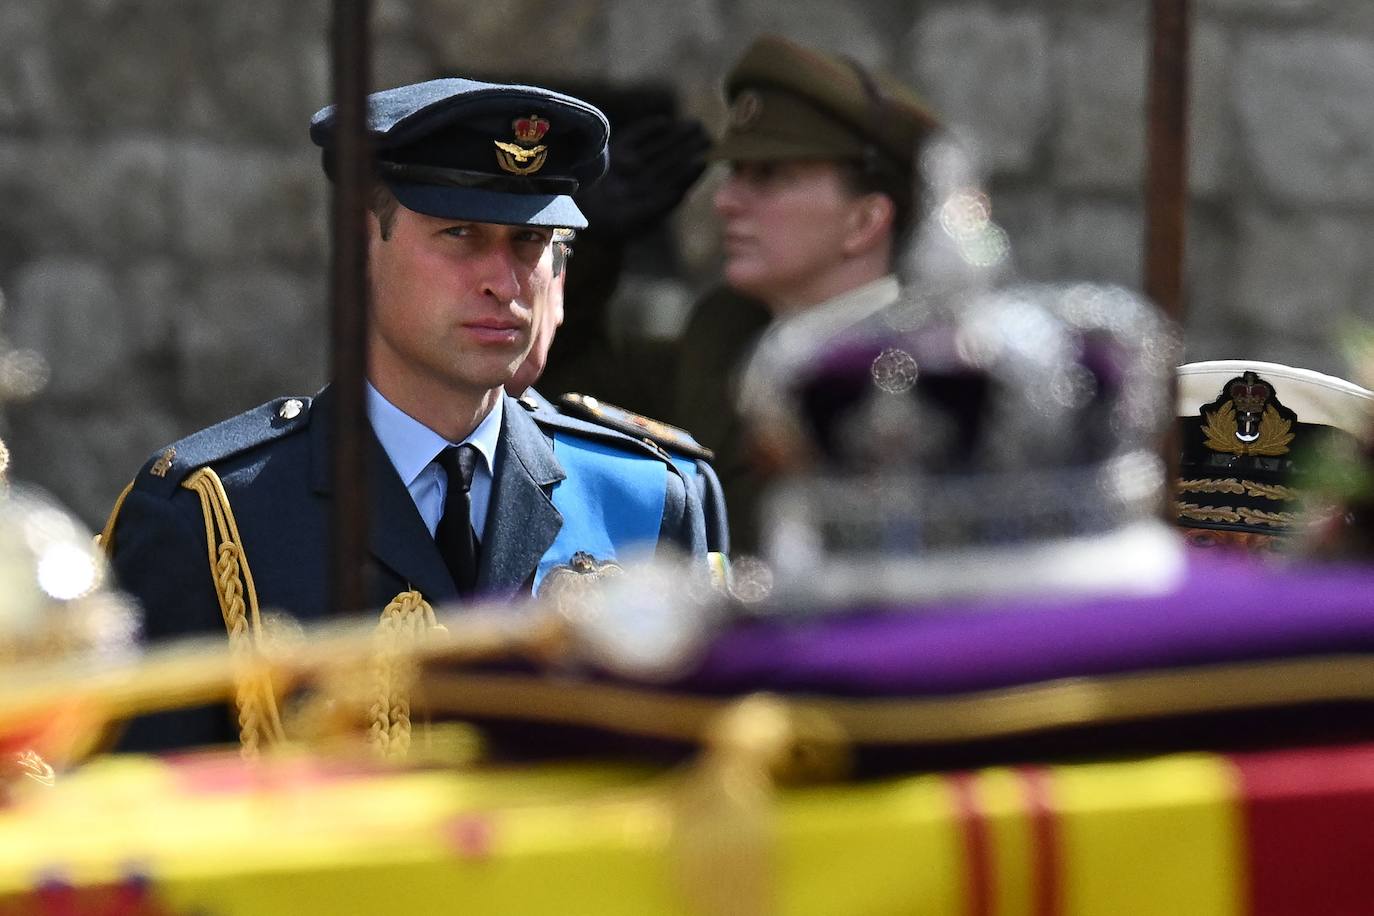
(602,861)
(879,849)
(1001,796)
(1159,837)
(1139,838)
(559,839)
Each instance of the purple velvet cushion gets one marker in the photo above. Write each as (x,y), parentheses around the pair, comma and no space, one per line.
(1228,609)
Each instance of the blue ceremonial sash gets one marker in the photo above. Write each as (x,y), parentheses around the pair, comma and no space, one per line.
(611,502)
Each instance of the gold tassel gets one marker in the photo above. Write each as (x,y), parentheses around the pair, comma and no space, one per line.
(403,624)
(723,836)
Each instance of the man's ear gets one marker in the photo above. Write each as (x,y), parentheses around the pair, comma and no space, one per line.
(869,223)
(556,296)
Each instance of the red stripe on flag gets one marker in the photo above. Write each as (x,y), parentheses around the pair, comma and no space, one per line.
(978,870)
(1047,859)
(1309,823)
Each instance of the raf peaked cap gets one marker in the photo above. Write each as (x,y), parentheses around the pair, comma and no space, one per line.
(463,149)
(791,102)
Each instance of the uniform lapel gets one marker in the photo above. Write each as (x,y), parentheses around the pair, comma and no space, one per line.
(397,536)
(521,521)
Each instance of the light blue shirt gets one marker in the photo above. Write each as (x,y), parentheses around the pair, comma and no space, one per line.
(413,446)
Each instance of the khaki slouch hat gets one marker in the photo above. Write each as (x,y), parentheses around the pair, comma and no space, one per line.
(791,102)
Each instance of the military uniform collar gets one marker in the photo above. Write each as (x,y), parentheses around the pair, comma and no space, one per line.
(411,445)
(792,341)
(821,321)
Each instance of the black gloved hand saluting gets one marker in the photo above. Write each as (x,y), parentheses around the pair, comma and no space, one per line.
(654,161)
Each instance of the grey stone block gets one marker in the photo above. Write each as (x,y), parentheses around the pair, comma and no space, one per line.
(249,335)
(1210,272)
(1212,120)
(1301,274)
(1101,241)
(27,95)
(84,456)
(71,312)
(237,205)
(988,72)
(245,76)
(1305,115)
(108,196)
(526,38)
(1030,218)
(397,60)
(863,29)
(154,294)
(120,65)
(1100,81)
(645,39)
(1281,9)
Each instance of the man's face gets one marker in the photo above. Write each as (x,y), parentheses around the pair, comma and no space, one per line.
(454,303)
(549,316)
(785,227)
(1250,542)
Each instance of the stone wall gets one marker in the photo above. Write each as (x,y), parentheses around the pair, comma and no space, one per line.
(162,218)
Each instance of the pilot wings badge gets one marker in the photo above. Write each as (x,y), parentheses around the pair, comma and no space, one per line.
(526,155)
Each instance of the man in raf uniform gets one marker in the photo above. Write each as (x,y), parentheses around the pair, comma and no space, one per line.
(691,457)
(472,493)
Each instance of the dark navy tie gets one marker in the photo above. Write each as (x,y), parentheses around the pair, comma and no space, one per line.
(454,535)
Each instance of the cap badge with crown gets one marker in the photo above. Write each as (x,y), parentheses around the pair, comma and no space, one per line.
(526,156)
(1248,423)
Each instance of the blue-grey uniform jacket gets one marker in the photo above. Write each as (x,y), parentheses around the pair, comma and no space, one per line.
(561,485)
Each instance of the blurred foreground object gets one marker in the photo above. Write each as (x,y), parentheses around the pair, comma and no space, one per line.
(59,608)
(973,438)
(59,605)
(1260,442)
(1281,833)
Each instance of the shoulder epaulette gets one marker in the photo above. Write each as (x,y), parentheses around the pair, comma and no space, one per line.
(663,435)
(165,470)
(551,418)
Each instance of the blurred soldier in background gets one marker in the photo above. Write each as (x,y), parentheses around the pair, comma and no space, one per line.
(816,208)
(472,492)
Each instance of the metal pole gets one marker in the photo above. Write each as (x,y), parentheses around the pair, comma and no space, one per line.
(348,293)
(1166,192)
(1166,179)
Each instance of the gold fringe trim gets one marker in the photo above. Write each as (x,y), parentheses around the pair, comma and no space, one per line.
(1274,491)
(1234,516)
(403,624)
(894,721)
(105,539)
(259,719)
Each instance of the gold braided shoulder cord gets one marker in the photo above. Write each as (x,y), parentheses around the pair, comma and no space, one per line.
(259,719)
(105,539)
(403,624)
